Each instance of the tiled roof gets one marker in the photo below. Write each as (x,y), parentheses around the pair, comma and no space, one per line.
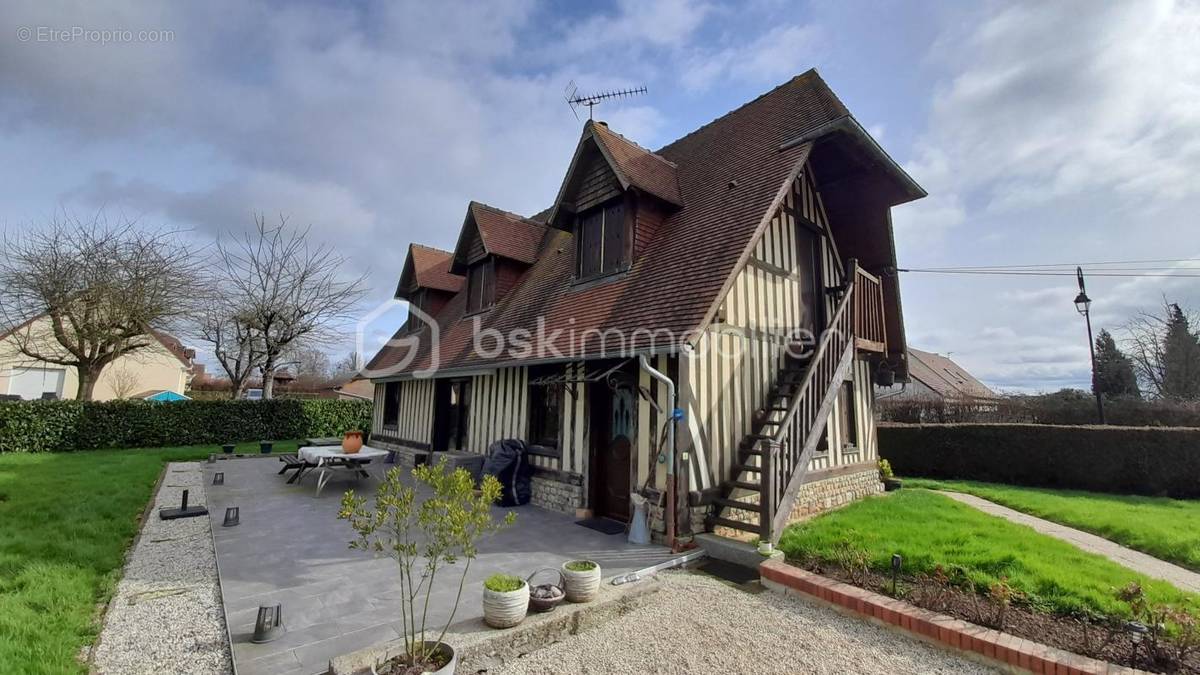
(729,175)
(508,235)
(944,376)
(638,167)
(431,266)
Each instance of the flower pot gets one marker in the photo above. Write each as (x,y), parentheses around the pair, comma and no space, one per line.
(445,650)
(892,484)
(228,448)
(352,442)
(581,585)
(265,447)
(505,609)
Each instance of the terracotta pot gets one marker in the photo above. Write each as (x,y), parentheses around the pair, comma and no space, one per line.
(352,442)
(583,585)
(505,609)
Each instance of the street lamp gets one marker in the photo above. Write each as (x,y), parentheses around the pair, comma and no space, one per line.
(1083,304)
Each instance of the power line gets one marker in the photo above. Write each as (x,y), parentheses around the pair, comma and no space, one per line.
(1073,264)
(1044,273)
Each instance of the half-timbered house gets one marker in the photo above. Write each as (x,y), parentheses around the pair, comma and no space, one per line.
(702,324)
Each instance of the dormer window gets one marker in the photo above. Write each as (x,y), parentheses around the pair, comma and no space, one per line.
(603,241)
(481,285)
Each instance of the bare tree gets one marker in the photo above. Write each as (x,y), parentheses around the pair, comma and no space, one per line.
(83,293)
(125,381)
(1146,337)
(237,348)
(292,293)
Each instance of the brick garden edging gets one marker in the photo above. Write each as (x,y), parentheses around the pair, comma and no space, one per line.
(1010,651)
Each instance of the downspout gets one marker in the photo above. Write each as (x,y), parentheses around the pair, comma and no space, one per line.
(658,375)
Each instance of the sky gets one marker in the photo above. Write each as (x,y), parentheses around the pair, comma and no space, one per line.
(1044,132)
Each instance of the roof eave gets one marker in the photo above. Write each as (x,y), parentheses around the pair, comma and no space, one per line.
(909,189)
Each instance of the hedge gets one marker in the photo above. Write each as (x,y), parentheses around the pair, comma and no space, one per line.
(1126,460)
(40,426)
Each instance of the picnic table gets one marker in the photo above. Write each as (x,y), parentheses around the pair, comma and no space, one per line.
(330,459)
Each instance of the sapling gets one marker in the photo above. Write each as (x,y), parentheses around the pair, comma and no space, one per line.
(424,528)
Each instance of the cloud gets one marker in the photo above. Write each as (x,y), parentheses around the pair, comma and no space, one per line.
(779,53)
(1046,100)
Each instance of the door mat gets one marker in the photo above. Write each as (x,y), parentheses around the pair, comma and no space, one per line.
(728,571)
(603,525)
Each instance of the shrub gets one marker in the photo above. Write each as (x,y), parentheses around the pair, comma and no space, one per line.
(1064,407)
(48,426)
(1125,460)
(503,583)
(581,565)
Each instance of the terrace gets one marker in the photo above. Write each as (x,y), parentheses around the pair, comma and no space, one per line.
(289,548)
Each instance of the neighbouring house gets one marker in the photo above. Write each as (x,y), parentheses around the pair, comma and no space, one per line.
(356,388)
(748,268)
(934,377)
(163,365)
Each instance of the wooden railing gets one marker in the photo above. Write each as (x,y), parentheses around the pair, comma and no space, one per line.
(786,456)
(869,329)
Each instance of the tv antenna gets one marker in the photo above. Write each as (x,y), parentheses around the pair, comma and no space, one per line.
(575,99)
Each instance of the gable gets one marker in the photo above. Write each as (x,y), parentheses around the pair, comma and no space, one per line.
(593,183)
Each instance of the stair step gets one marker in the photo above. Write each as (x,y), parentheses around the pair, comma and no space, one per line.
(743,485)
(736,525)
(751,448)
(735,504)
(738,468)
(779,408)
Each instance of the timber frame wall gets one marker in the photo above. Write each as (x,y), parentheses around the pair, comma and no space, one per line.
(728,376)
(499,409)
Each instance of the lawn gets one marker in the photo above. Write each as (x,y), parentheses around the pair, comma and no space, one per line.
(929,529)
(66,520)
(1165,528)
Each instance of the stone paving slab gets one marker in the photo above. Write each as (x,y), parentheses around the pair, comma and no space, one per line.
(1137,561)
(291,549)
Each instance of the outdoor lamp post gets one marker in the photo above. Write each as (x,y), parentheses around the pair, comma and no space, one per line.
(1083,304)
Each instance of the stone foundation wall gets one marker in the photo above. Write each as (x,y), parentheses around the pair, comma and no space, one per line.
(830,493)
(556,495)
(815,497)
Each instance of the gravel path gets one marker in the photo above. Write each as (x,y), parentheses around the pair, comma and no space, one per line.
(166,616)
(1137,561)
(697,624)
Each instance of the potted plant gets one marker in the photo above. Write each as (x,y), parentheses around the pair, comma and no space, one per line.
(890,482)
(581,580)
(425,528)
(505,600)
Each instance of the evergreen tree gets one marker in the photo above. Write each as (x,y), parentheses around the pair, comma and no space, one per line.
(1181,358)
(1114,370)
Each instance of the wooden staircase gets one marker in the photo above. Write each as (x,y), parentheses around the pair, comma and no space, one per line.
(774,458)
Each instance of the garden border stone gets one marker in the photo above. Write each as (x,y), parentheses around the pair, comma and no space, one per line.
(1008,651)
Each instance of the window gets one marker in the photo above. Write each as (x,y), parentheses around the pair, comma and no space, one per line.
(417,299)
(481,285)
(545,410)
(391,405)
(849,417)
(602,240)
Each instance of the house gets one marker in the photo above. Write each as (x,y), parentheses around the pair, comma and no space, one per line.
(701,324)
(934,377)
(163,365)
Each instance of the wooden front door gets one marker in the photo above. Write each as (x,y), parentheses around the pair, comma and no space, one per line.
(614,433)
(452,400)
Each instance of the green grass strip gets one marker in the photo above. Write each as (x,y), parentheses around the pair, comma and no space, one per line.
(1168,529)
(929,529)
